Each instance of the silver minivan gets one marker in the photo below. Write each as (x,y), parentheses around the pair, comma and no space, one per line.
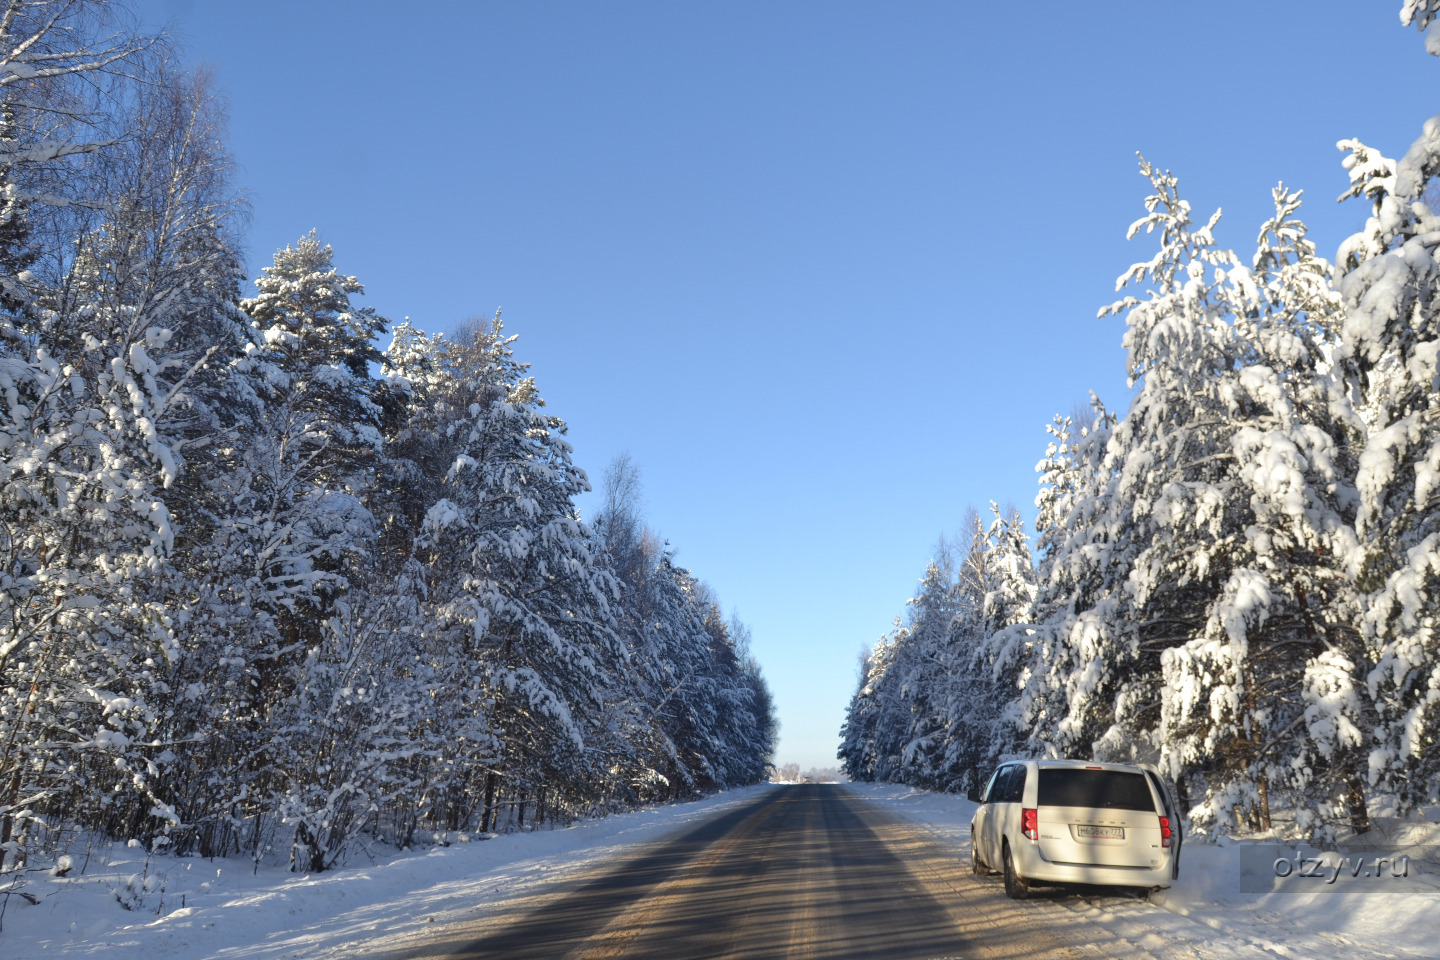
(1073,821)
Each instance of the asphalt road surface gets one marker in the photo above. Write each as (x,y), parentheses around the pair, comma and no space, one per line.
(807,871)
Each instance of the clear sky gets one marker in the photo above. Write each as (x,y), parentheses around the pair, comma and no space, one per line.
(825,270)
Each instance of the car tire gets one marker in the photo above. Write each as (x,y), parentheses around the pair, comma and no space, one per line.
(976,864)
(1156,895)
(1016,886)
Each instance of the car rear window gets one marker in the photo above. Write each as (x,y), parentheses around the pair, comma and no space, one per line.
(1114,789)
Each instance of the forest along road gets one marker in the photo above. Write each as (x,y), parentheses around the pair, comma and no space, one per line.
(805,871)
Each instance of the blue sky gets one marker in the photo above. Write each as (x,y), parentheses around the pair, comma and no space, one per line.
(824,270)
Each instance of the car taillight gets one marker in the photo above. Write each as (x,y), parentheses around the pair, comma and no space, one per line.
(1165,831)
(1030,824)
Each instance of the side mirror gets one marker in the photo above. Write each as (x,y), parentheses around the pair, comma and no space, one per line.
(973,794)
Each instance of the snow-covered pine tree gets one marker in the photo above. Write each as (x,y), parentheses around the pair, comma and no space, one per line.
(91,427)
(755,745)
(675,644)
(966,698)
(1058,708)
(306,471)
(89,448)
(323,345)
(275,527)
(413,397)
(639,748)
(1228,507)
(1003,650)
(165,255)
(1390,340)
(738,749)
(1171,517)
(696,714)
(1280,648)
(868,717)
(512,576)
(929,667)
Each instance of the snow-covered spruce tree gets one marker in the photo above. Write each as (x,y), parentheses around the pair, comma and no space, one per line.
(411,752)
(445,744)
(973,688)
(1057,487)
(1390,340)
(1221,595)
(1297,458)
(279,544)
(365,727)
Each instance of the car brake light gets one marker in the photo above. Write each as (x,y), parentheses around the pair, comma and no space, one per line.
(1030,824)
(1165,831)
(1094,768)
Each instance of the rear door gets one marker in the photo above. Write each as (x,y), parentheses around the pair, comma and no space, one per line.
(1173,812)
(993,813)
(1007,807)
(1098,817)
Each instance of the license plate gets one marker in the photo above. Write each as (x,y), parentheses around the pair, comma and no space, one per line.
(1099,833)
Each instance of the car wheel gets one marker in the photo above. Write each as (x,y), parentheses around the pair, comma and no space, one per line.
(1016,886)
(976,864)
(1156,895)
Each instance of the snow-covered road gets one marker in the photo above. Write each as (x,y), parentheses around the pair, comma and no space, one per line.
(393,904)
(804,871)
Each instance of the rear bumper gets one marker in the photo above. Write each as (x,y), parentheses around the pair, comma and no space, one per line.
(1033,866)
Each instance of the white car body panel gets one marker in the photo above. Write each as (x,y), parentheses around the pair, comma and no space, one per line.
(1079,844)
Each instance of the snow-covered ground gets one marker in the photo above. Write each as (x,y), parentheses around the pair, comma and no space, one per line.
(1206,912)
(196,908)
